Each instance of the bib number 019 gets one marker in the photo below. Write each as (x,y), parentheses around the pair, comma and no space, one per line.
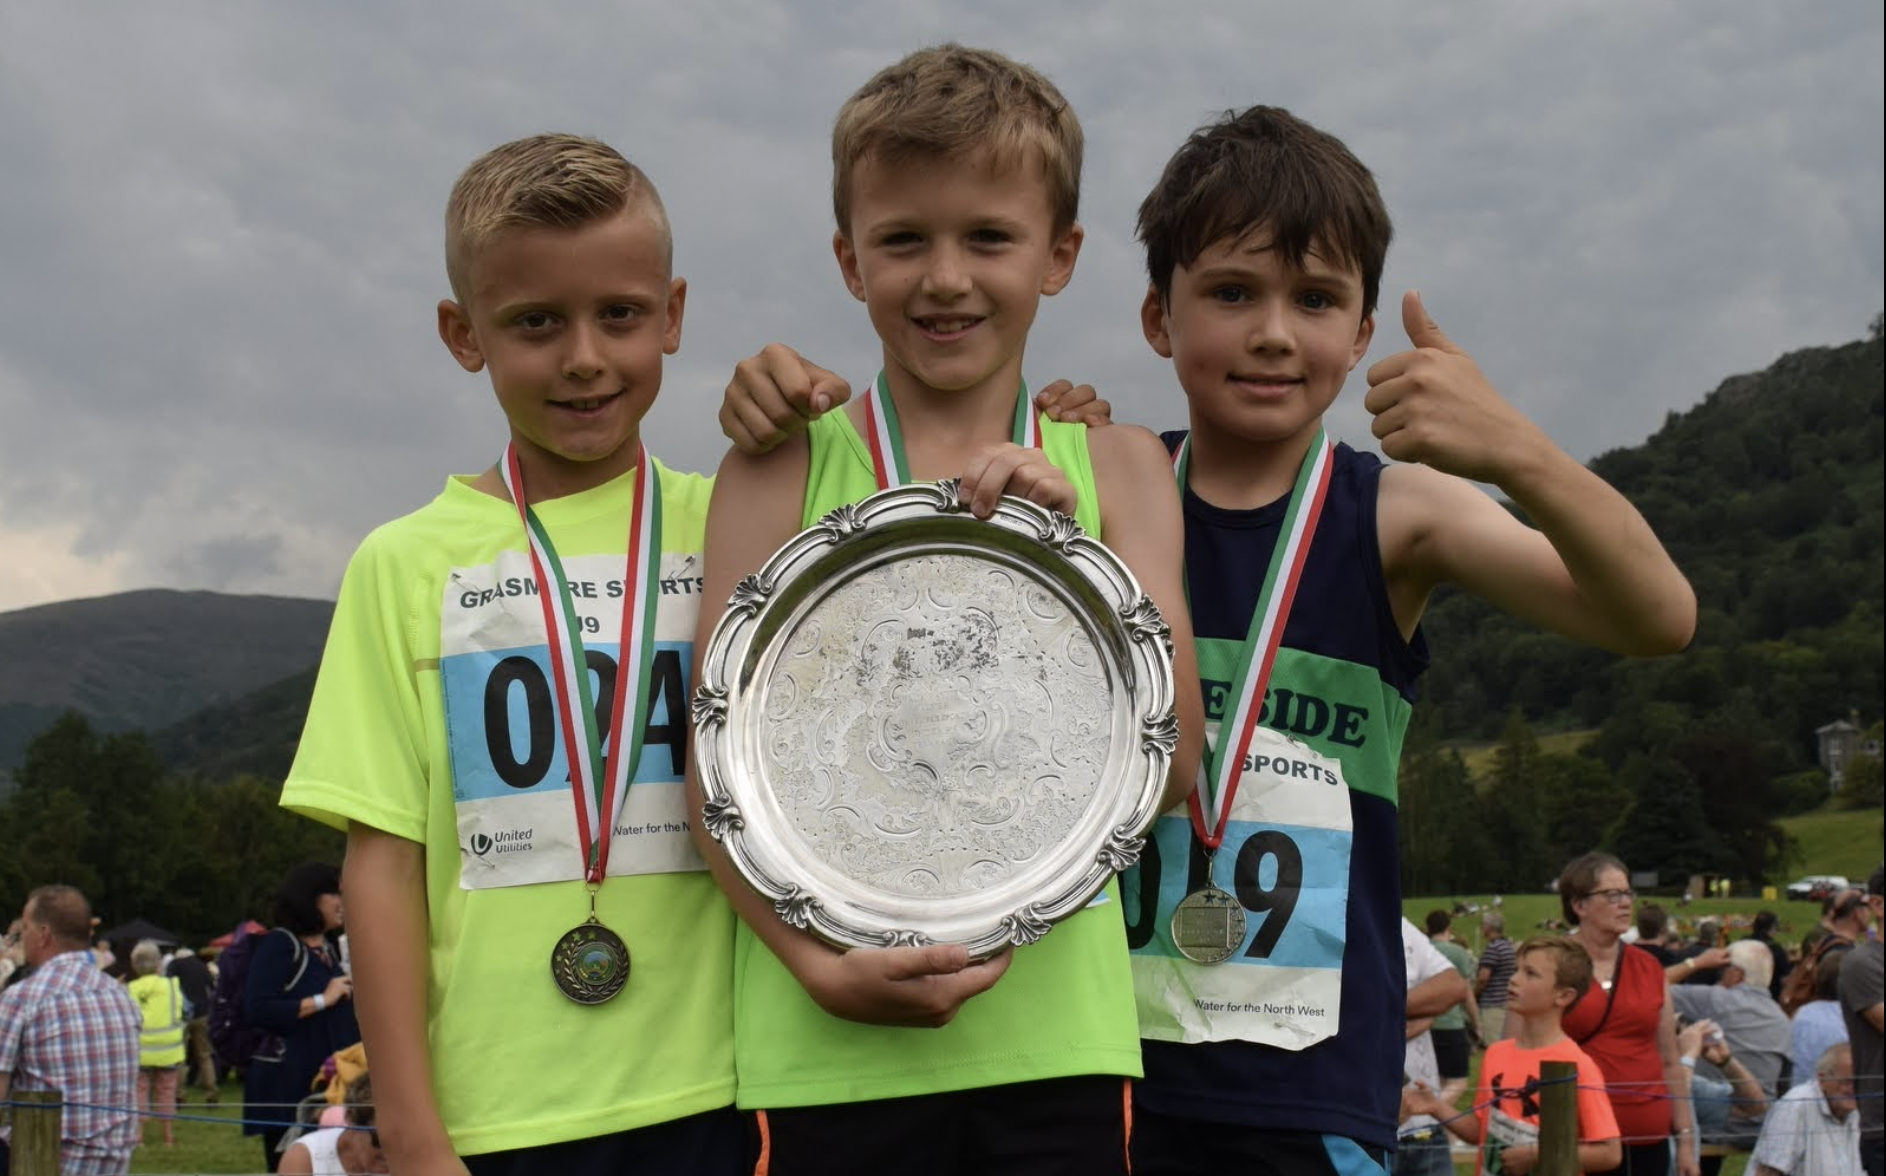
(1276,901)
(518,680)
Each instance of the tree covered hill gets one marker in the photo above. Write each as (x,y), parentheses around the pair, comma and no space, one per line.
(144,660)
(1771,495)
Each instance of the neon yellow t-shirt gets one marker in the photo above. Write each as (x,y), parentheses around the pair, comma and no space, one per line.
(433,720)
(1065,1005)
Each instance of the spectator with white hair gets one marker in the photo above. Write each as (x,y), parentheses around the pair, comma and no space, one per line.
(1814,1130)
(160,1044)
(1754,1026)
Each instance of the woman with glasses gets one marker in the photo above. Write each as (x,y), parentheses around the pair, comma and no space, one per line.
(340,1151)
(1626,1023)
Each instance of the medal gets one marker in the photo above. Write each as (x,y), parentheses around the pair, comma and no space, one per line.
(1208,924)
(590,963)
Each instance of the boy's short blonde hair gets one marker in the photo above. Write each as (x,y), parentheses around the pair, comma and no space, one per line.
(542,182)
(948,103)
(1571,963)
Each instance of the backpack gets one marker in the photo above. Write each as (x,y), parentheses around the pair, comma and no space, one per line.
(236,1042)
(1798,988)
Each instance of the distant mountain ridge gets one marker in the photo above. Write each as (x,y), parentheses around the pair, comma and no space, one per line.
(148,659)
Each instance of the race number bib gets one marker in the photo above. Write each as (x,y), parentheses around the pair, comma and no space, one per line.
(1285,858)
(510,779)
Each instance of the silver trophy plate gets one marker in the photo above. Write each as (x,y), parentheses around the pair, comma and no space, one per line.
(915,726)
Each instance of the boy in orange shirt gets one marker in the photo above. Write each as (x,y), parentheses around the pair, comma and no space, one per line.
(1553,973)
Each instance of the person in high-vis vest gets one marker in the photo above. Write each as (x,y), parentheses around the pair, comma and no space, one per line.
(160,1045)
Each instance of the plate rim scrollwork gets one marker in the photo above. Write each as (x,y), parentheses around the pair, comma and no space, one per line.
(1128,631)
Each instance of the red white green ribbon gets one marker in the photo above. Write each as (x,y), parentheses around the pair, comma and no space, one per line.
(599,785)
(886,438)
(1223,766)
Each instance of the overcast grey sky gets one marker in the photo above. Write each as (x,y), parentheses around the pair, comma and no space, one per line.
(219,223)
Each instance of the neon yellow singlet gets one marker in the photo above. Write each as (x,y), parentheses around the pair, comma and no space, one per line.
(1065,1006)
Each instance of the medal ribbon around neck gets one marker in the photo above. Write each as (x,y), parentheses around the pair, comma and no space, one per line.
(886,438)
(1222,767)
(599,786)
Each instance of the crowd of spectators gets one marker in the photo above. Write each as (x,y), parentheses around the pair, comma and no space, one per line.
(114,1032)
(1708,1044)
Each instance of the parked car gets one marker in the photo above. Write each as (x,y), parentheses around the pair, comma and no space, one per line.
(1815,887)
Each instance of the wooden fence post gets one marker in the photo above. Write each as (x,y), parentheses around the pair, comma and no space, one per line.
(37,1118)
(1558,1119)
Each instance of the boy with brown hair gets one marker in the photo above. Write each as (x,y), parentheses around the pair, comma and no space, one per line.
(499,722)
(956,192)
(1309,566)
(1265,240)
(1553,973)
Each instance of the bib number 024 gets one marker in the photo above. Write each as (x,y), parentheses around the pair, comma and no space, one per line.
(1276,901)
(518,681)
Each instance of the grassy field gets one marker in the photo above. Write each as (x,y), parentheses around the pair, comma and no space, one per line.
(1839,841)
(1528,914)
(1479,758)
(209,1140)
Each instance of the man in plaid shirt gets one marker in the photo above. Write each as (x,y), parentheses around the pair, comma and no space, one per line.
(71,1028)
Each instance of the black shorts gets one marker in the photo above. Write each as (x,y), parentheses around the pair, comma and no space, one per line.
(1055,1127)
(1164,1145)
(1452,1054)
(716,1143)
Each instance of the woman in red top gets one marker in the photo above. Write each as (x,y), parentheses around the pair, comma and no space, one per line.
(1625,1023)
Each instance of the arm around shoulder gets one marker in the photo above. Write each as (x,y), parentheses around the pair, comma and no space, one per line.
(1143,523)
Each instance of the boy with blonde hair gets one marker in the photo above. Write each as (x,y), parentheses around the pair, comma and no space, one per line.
(1309,566)
(956,190)
(542,960)
(1553,973)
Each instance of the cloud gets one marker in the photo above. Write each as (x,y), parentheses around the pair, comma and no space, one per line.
(217,359)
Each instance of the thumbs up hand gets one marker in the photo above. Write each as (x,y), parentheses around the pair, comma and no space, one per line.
(1432,405)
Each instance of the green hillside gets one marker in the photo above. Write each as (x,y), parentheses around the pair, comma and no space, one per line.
(1480,757)
(254,735)
(1771,496)
(1837,841)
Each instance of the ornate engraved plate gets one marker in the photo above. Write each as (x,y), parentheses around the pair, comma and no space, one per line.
(915,726)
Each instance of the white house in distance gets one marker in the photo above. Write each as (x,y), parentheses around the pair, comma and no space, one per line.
(1840,741)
